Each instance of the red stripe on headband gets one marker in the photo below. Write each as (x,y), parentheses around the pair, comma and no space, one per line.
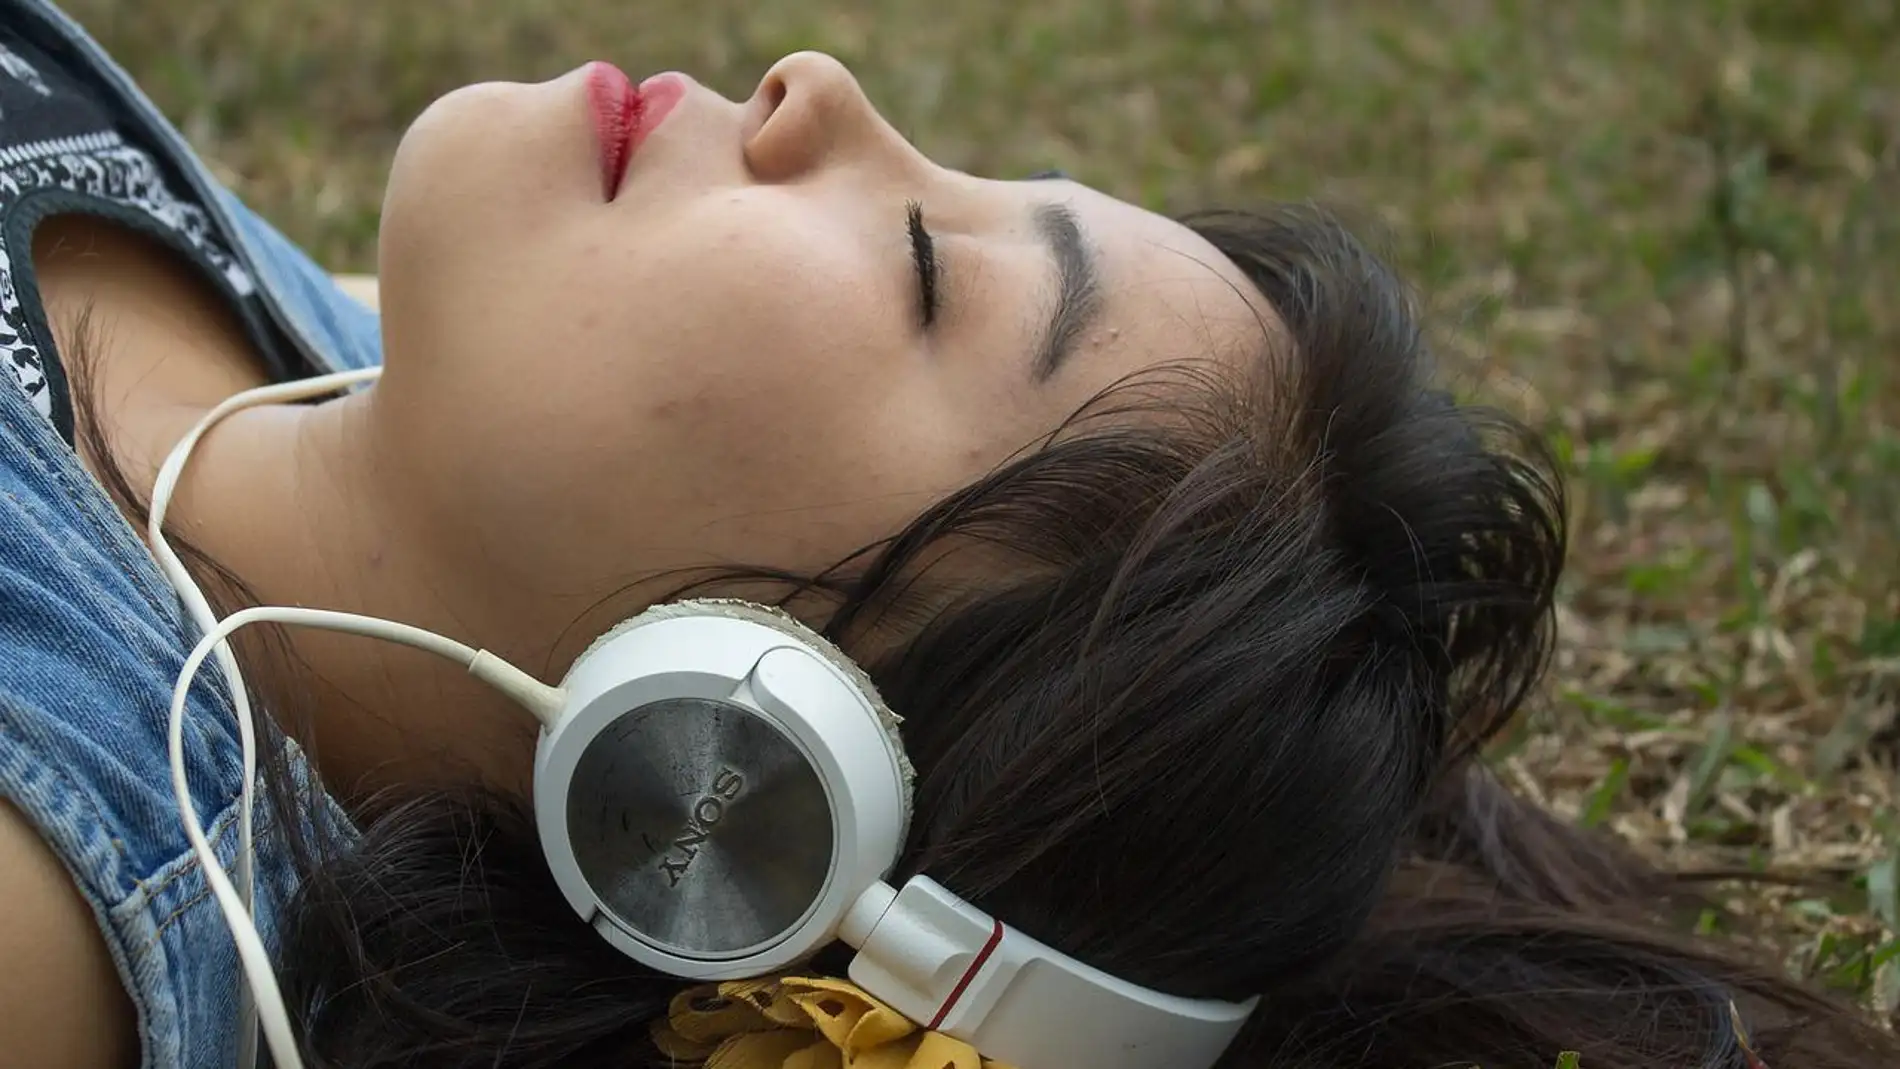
(969,974)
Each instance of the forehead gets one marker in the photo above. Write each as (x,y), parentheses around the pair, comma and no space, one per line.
(1167,292)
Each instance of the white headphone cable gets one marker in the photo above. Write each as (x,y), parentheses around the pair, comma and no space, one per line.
(261,1000)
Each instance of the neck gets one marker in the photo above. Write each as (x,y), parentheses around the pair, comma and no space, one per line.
(288,500)
(300,506)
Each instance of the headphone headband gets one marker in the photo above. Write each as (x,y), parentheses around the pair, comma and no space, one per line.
(945,964)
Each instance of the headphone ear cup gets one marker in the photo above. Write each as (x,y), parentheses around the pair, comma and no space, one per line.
(720,789)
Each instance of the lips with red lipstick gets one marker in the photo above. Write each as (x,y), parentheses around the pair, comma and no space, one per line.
(624,114)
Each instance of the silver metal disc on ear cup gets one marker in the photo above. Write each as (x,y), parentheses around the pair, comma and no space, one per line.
(720,789)
(702,825)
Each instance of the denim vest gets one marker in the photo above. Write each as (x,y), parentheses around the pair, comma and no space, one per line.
(91,640)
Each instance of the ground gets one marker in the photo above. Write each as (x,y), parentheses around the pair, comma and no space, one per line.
(1666,233)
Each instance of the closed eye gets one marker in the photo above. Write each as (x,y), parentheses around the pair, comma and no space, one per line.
(923,251)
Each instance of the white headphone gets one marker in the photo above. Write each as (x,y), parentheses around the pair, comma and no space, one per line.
(720,793)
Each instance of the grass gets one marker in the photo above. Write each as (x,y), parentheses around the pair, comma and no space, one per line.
(1667,233)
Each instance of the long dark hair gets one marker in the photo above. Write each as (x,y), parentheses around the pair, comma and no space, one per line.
(1213,724)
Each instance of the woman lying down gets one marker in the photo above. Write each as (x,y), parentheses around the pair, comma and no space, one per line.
(757,597)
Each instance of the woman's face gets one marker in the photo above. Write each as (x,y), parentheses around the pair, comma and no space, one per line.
(736,357)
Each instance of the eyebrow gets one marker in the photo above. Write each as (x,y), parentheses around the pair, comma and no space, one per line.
(1078,288)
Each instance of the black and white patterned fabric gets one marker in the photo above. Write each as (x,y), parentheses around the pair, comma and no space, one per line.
(54,137)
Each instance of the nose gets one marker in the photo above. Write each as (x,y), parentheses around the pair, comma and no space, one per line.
(814,114)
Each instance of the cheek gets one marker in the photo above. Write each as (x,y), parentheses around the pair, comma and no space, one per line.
(793,414)
(717,324)
(765,297)
(725,377)
(740,383)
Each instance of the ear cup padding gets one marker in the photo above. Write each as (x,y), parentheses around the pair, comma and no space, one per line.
(780,620)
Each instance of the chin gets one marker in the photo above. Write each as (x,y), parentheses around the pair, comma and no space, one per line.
(441,140)
(473,132)
(447,158)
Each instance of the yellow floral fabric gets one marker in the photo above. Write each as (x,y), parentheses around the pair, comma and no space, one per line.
(802,1022)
